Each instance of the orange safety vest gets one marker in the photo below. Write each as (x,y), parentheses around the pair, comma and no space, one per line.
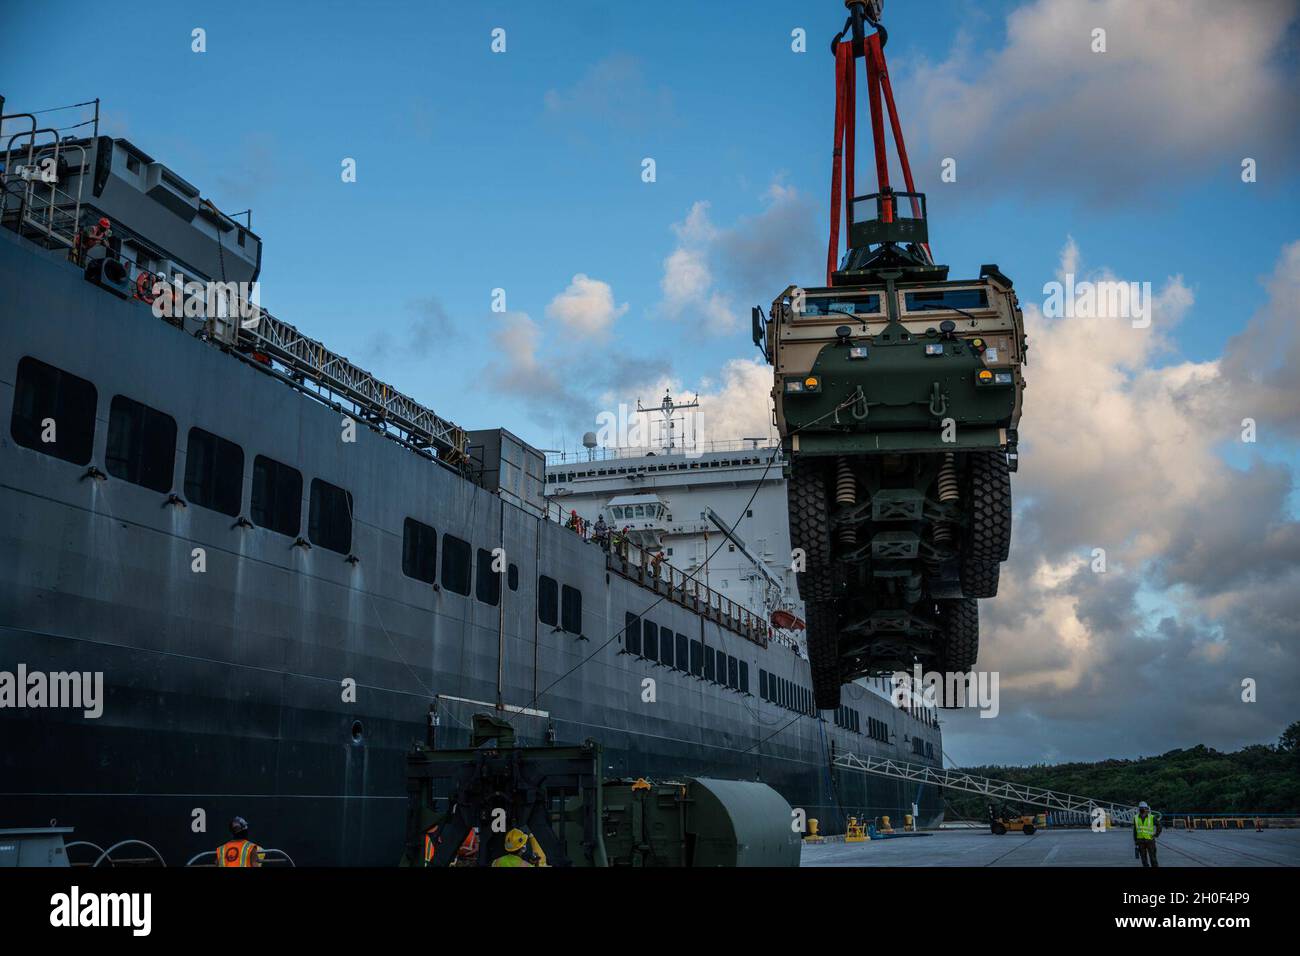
(468,849)
(238,853)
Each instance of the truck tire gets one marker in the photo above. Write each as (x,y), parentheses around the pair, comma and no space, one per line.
(959,639)
(987,539)
(810,527)
(824,653)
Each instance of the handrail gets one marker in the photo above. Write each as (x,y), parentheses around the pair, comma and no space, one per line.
(213,853)
(650,570)
(105,855)
(970,783)
(638,452)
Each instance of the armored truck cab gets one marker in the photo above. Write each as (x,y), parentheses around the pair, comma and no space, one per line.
(897,397)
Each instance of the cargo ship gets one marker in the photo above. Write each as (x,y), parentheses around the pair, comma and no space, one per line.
(282,569)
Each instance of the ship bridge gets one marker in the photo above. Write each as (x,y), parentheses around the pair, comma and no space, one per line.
(645,517)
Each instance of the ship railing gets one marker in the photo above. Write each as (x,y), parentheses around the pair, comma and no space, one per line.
(39,210)
(657,451)
(39,207)
(268,855)
(652,571)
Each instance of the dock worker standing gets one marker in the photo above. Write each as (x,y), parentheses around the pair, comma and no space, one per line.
(1145,830)
(516,842)
(239,850)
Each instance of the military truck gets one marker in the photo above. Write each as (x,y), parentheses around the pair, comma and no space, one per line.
(897,397)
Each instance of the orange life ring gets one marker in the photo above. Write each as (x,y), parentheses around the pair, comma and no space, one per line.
(144,284)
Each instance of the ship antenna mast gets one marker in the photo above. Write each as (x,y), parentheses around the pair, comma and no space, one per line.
(668,409)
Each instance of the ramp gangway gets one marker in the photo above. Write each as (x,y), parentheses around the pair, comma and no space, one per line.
(997,789)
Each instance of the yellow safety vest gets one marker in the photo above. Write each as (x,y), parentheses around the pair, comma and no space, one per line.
(510,859)
(1145,829)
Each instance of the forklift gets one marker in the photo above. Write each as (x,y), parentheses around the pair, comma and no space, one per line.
(1004,819)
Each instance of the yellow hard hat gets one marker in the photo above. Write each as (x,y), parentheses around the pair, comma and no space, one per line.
(515,840)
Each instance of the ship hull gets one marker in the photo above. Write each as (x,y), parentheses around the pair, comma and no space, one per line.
(283,683)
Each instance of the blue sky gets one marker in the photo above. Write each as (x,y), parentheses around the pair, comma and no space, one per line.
(522,170)
(469,181)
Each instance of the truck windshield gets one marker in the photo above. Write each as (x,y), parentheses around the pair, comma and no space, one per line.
(956,299)
(859,304)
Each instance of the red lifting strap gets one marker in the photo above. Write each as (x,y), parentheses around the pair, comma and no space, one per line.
(842,163)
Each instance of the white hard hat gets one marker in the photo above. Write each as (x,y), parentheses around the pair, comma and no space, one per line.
(1143,806)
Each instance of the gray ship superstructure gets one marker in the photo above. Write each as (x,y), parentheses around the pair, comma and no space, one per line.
(275,608)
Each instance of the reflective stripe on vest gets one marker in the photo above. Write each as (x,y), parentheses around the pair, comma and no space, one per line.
(237,853)
(1146,828)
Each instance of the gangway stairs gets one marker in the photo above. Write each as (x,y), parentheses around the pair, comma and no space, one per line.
(999,790)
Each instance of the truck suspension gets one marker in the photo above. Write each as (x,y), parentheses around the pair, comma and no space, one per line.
(846,496)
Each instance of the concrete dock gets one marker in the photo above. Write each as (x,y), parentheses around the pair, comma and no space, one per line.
(1062,848)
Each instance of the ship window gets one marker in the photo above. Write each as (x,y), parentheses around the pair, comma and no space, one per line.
(488,585)
(632,634)
(666,647)
(762,684)
(141,444)
(329,518)
(214,472)
(710,664)
(419,551)
(49,403)
(548,600)
(683,652)
(571,610)
(733,679)
(651,640)
(697,659)
(456,570)
(277,496)
(512,577)
(743,677)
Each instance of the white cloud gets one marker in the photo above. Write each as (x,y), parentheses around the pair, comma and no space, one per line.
(613,91)
(586,306)
(712,268)
(1184,85)
(1202,586)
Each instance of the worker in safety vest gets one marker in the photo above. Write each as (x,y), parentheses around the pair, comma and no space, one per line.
(89,238)
(516,841)
(239,850)
(464,855)
(1145,830)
